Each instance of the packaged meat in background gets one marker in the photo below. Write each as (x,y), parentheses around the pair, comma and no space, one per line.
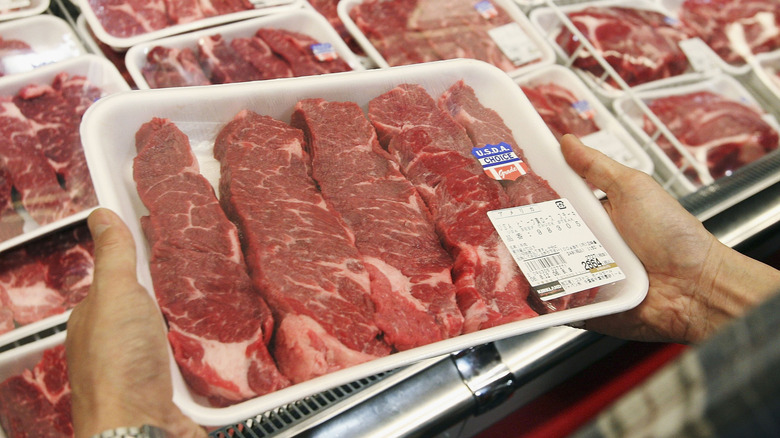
(42,159)
(639,40)
(123,23)
(402,32)
(329,10)
(733,29)
(228,128)
(35,395)
(568,106)
(31,42)
(298,43)
(717,126)
(45,277)
(22,9)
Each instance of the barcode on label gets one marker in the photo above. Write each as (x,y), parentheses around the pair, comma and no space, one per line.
(545,262)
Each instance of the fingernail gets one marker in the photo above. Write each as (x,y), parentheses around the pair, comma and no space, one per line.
(98,222)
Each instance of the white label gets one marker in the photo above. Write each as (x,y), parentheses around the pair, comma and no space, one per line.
(611,146)
(555,249)
(700,55)
(515,44)
(7,5)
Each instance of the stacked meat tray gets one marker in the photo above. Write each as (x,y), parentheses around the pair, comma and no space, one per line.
(321,215)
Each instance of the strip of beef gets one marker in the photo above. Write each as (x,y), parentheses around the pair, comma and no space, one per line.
(300,253)
(124,19)
(558,108)
(434,154)
(37,402)
(170,67)
(485,126)
(32,175)
(257,53)
(218,325)
(411,284)
(296,49)
(222,64)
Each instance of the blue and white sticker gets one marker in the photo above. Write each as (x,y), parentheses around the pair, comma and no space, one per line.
(486,9)
(584,109)
(500,162)
(324,52)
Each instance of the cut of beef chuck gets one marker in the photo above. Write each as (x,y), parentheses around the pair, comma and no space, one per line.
(124,19)
(31,173)
(218,325)
(222,64)
(169,67)
(733,28)
(257,53)
(411,284)
(434,154)
(641,45)
(37,403)
(484,127)
(722,133)
(300,253)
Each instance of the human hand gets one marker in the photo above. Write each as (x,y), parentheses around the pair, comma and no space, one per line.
(116,347)
(696,283)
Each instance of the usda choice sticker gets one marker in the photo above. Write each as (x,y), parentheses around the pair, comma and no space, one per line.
(500,162)
(556,251)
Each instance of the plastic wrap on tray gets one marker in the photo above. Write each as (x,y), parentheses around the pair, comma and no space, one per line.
(31,42)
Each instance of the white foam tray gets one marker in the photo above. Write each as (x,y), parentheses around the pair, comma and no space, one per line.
(639,159)
(674,6)
(631,114)
(36,7)
(122,43)
(547,54)
(764,81)
(303,21)
(99,72)
(14,362)
(50,38)
(549,24)
(110,125)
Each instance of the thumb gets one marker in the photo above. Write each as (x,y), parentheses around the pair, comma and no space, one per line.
(115,256)
(598,169)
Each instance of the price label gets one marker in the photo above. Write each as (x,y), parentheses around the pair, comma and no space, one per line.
(515,44)
(555,249)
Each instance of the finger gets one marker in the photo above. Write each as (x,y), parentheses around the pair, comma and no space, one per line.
(114,247)
(598,169)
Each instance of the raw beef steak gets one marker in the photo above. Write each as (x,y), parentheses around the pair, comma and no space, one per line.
(641,45)
(300,254)
(218,325)
(484,127)
(411,284)
(558,108)
(414,31)
(47,276)
(30,172)
(37,402)
(127,18)
(329,10)
(222,64)
(719,132)
(56,115)
(11,223)
(434,154)
(170,67)
(733,28)
(257,53)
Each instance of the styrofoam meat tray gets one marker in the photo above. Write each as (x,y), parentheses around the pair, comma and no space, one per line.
(36,7)
(109,128)
(14,362)
(549,24)
(632,115)
(50,38)
(764,80)
(632,155)
(674,6)
(99,72)
(303,21)
(121,43)
(547,56)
